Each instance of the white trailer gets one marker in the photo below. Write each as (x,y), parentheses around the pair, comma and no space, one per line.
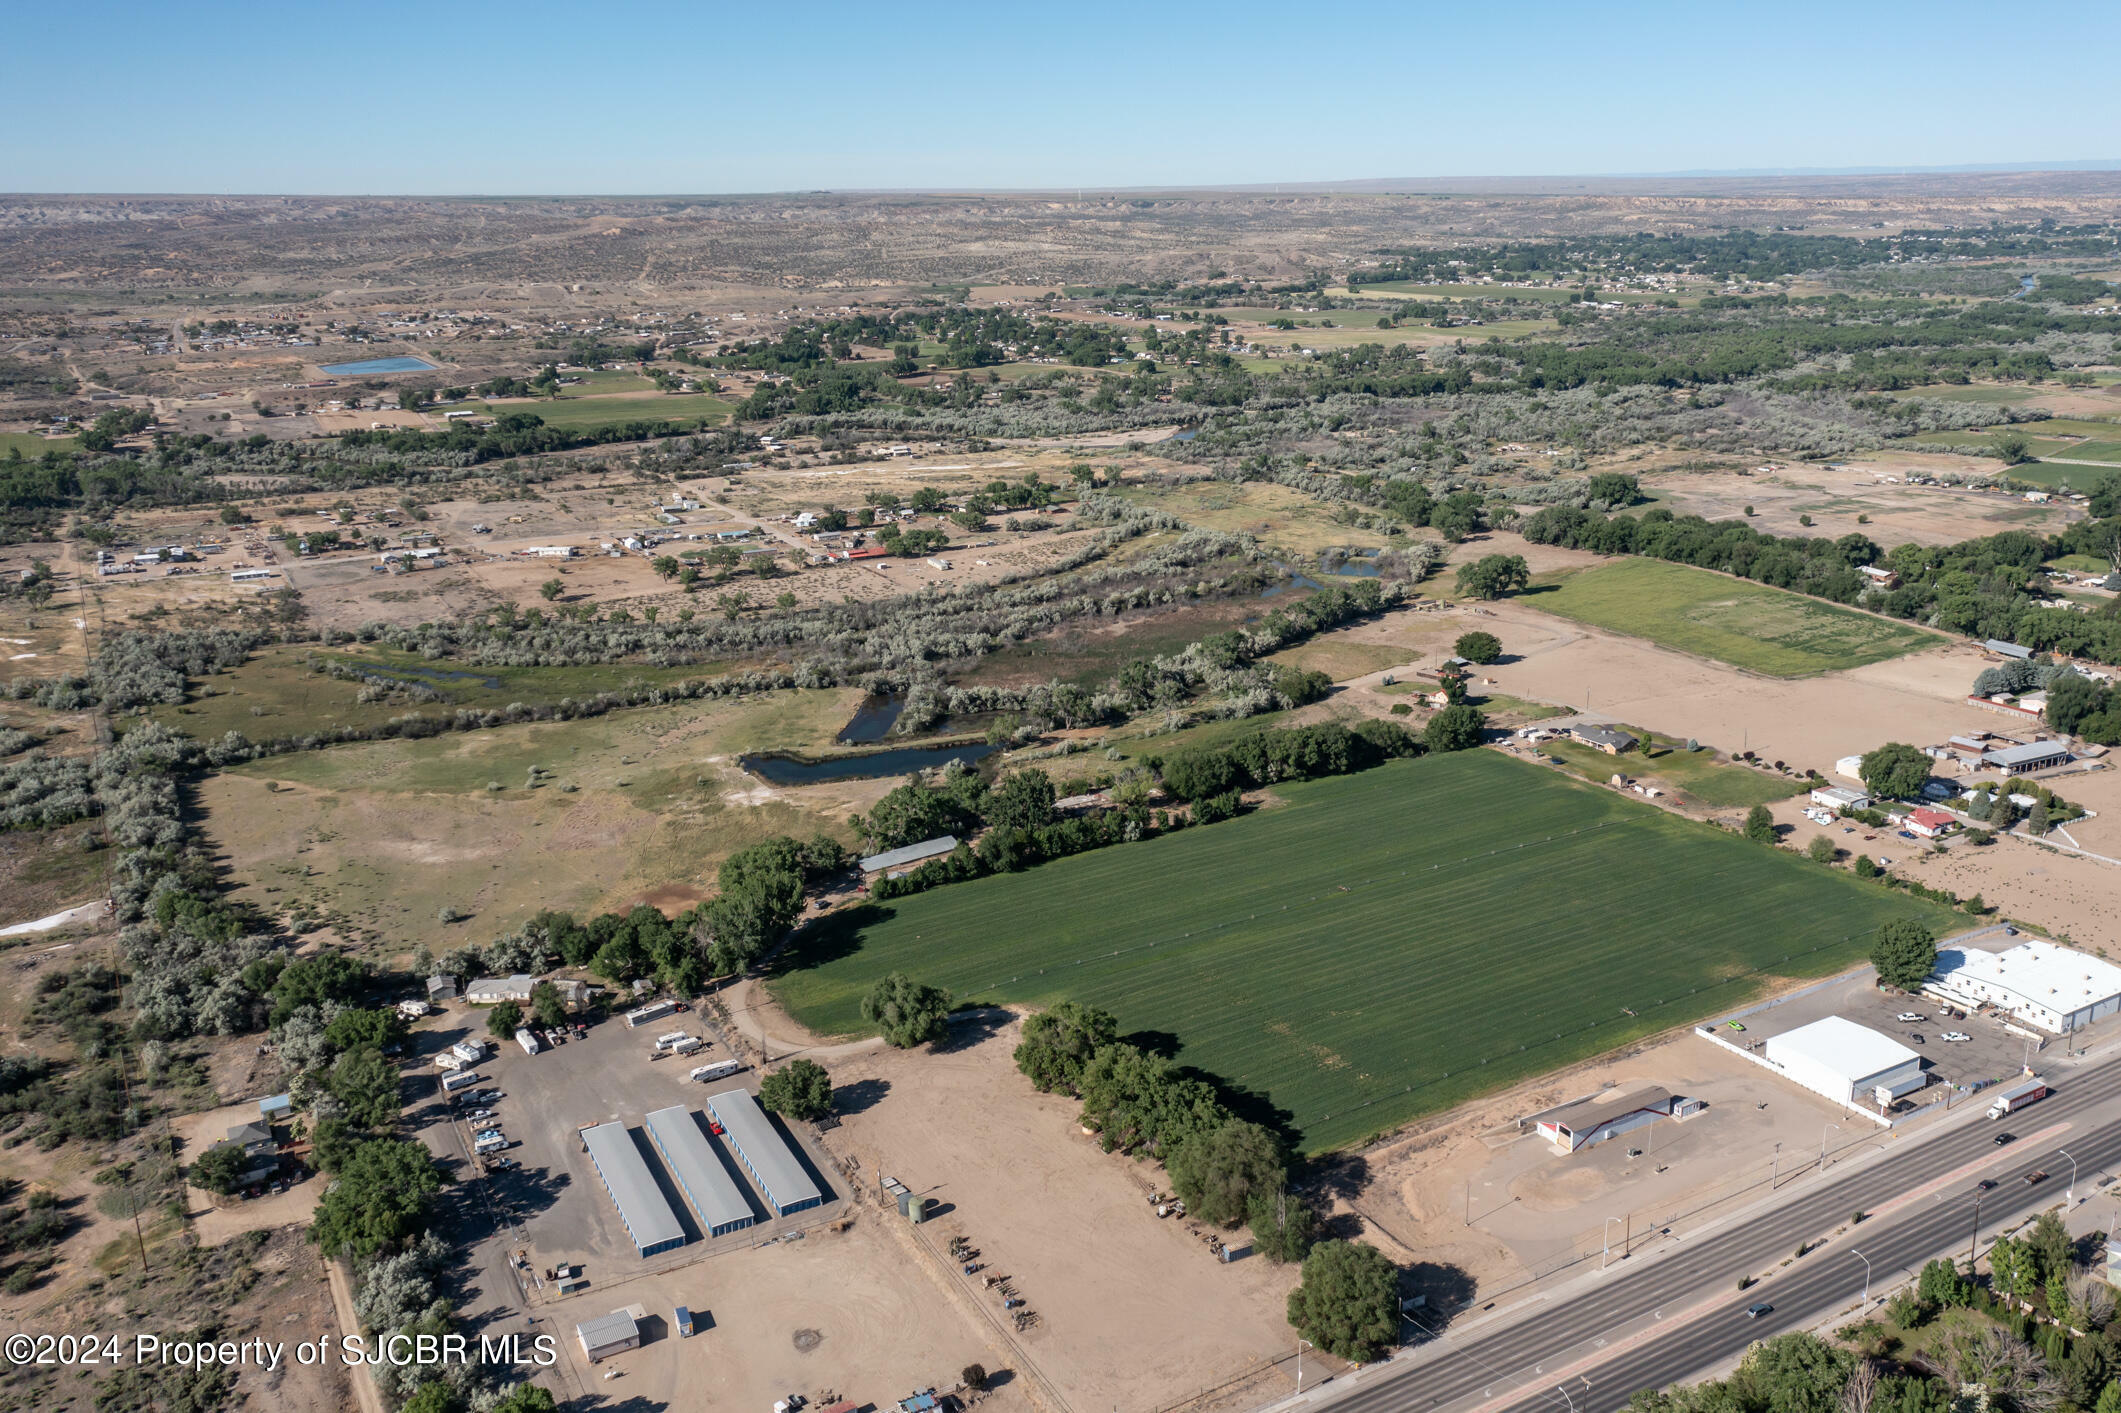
(469,1051)
(449,1060)
(720,1069)
(653,1011)
(687,1046)
(670,1038)
(528,1041)
(2011,1100)
(462,1079)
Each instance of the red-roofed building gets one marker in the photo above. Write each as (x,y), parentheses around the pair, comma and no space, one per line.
(1930,823)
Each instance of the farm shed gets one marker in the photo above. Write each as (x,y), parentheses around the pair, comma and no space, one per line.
(441,988)
(1582,1124)
(1846,1062)
(492,990)
(716,1199)
(2003,649)
(909,855)
(611,1334)
(648,1218)
(752,1138)
(2022,760)
(2055,988)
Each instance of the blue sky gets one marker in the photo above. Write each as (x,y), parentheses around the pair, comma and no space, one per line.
(589,97)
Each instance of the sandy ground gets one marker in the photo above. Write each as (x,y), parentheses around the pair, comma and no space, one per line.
(1534,1212)
(1834,496)
(847,1313)
(216,1218)
(1134,1313)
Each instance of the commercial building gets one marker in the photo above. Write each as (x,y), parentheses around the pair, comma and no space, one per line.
(2055,988)
(2023,760)
(780,1176)
(611,1334)
(716,1199)
(1847,1063)
(648,1218)
(1587,1121)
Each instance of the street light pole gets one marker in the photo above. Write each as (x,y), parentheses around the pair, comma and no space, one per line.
(1607,1238)
(1822,1144)
(1866,1273)
(1301,1345)
(1973,1243)
(2070,1197)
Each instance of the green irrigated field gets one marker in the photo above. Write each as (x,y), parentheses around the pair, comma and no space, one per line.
(1762,629)
(1382,945)
(576,414)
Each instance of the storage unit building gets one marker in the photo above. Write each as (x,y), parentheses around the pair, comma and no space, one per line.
(752,1138)
(1846,1062)
(648,1218)
(716,1199)
(2055,988)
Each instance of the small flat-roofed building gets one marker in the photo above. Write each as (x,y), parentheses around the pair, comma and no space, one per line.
(716,1199)
(273,1108)
(2023,760)
(647,1217)
(493,990)
(611,1334)
(1582,1124)
(909,856)
(1846,1062)
(441,988)
(780,1176)
(2055,988)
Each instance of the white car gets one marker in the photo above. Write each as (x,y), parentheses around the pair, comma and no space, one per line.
(482,1113)
(1957,1035)
(1909,1017)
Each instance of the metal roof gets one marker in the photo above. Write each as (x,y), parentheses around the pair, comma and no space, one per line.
(911,853)
(606,1330)
(1998,646)
(753,1136)
(1598,1116)
(2019,755)
(714,1196)
(649,1220)
(2040,973)
(1842,1047)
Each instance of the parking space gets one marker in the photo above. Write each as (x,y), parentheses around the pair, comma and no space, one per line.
(550,1202)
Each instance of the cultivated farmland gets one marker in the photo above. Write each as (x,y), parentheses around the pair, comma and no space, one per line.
(1380,946)
(1762,629)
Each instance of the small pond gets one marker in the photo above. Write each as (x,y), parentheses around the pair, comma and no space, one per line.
(379,365)
(428,674)
(872,720)
(778,769)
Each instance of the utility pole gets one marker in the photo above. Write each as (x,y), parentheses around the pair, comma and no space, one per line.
(1973,1242)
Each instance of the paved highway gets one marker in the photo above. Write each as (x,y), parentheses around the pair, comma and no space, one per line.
(1673,1312)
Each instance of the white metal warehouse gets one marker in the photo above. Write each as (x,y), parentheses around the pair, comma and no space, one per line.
(716,1199)
(648,1218)
(2054,988)
(751,1135)
(1846,1062)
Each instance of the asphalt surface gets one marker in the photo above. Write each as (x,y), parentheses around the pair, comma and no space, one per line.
(1675,1309)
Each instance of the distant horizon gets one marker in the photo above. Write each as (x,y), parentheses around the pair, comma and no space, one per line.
(655,97)
(1328,186)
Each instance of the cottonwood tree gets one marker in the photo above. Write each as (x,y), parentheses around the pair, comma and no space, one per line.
(1904,954)
(800,1089)
(1348,1302)
(908,1012)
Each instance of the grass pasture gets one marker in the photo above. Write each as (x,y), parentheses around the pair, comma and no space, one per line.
(1752,626)
(1719,784)
(276,693)
(1382,945)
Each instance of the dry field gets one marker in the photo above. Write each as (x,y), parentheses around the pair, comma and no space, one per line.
(376,839)
(1834,496)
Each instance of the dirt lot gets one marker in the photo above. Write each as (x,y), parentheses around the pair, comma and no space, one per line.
(1874,486)
(1134,1312)
(216,1218)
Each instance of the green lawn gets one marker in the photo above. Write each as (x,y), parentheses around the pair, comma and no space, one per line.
(35,444)
(1380,946)
(1761,629)
(1719,784)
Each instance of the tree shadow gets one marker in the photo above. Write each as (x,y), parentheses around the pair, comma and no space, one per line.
(969,1027)
(1160,1043)
(1341,1178)
(828,939)
(861,1095)
(1443,1289)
